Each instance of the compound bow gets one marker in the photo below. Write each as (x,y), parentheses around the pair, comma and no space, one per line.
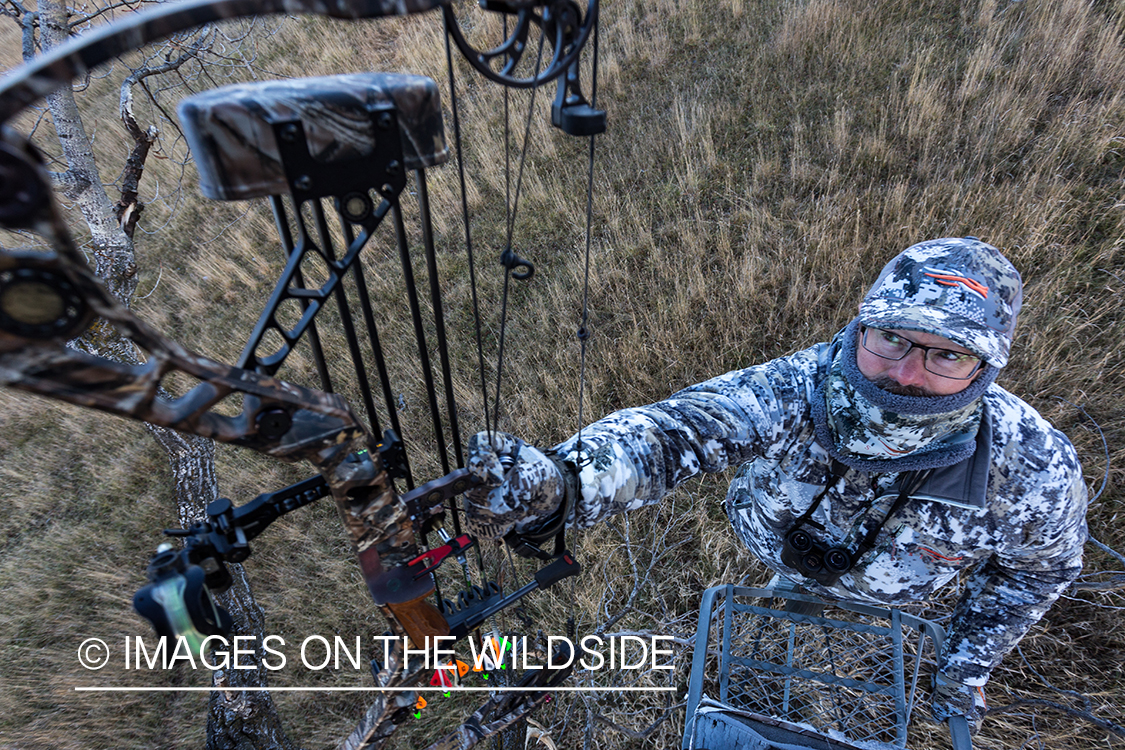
(350,140)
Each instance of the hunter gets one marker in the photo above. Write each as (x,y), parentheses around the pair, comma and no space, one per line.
(875,467)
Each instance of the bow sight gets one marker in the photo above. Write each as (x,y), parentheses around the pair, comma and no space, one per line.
(178,601)
(334,157)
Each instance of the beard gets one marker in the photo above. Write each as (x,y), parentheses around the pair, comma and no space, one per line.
(891,385)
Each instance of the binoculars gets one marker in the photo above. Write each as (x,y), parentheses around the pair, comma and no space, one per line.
(822,564)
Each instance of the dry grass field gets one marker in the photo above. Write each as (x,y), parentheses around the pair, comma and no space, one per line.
(763,160)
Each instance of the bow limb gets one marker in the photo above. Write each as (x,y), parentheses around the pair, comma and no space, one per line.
(33,81)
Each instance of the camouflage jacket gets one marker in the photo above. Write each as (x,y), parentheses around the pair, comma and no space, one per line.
(1021,533)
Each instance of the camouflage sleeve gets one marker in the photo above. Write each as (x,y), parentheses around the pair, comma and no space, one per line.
(1043,496)
(635,456)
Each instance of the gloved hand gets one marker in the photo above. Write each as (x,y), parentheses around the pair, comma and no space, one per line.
(521,487)
(953,698)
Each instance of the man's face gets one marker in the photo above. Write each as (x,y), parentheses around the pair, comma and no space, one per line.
(908,376)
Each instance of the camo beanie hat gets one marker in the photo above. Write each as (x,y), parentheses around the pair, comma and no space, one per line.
(959,288)
(941,287)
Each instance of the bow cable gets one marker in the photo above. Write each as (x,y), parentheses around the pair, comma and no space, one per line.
(509,259)
(583,333)
(465,218)
(455,111)
(507,147)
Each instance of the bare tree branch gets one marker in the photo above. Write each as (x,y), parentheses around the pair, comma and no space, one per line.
(28,21)
(12,9)
(643,733)
(1108,550)
(1117,583)
(639,582)
(1073,694)
(84,20)
(128,207)
(1076,713)
(156,103)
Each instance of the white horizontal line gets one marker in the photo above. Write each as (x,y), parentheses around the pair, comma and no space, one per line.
(496,689)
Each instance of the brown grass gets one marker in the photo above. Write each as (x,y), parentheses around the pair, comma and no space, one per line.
(763,161)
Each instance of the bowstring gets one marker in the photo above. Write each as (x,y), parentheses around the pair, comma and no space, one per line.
(511,226)
(512,207)
(583,333)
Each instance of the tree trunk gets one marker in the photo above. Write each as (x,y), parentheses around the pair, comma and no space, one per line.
(236,719)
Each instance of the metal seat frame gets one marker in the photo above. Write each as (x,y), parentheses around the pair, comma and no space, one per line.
(760,695)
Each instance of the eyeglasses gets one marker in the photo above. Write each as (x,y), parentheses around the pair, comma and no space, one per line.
(943,362)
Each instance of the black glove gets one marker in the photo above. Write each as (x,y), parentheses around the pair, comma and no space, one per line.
(953,698)
(522,486)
